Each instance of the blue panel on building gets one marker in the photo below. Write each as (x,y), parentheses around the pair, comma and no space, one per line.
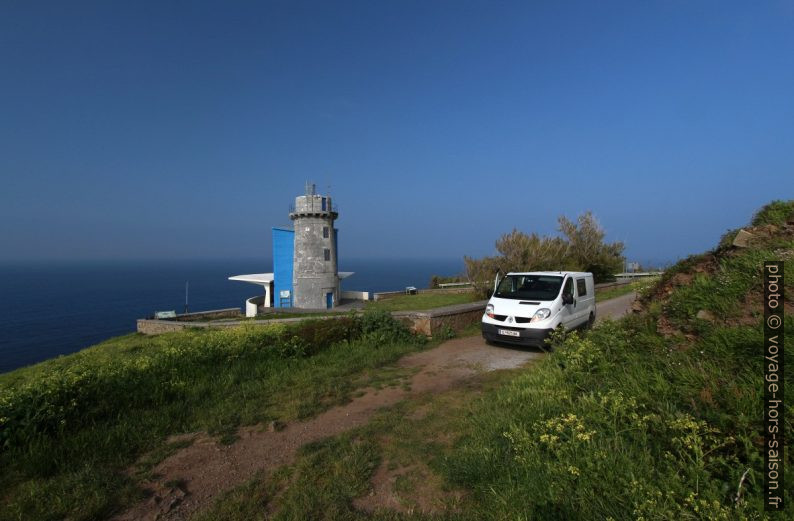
(336,250)
(283,248)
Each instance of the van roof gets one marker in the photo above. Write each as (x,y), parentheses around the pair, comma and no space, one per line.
(558,273)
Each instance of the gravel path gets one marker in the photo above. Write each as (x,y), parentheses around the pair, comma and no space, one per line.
(615,308)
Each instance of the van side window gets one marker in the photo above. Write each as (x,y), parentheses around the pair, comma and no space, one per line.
(568,289)
(581,287)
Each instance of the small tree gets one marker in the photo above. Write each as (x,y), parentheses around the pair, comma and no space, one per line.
(582,248)
(587,249)
(481,272)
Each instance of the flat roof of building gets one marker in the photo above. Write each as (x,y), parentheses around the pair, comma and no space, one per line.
(267,278)
(255,278)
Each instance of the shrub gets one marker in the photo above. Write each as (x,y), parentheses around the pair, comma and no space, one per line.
(380,326)
(582,248)
(321,334)
(293,347)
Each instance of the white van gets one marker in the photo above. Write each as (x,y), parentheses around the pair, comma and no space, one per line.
(526,307)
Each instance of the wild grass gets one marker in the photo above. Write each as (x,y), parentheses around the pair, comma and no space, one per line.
(70,427)
(623,423)
(775,213)
(624,289)
(422,301)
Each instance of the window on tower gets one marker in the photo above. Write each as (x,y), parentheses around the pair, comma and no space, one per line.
(323,203)
(327,254)
(326,232)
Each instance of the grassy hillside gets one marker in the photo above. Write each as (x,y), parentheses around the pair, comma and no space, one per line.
(657,416)
(71,427)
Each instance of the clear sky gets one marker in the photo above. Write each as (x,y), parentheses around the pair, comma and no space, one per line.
(185,129)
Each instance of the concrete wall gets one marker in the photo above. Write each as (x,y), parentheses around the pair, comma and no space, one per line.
(436,321)
(355,295)
(252,305)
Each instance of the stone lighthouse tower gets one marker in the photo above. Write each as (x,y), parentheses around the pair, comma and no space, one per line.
(315,279)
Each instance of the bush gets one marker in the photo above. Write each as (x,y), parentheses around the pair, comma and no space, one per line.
(582,248)
(321,334)
(381,327)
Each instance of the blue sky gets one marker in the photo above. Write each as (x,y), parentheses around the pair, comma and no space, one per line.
(184,129)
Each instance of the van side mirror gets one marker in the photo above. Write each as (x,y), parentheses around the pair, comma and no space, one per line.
(567,298)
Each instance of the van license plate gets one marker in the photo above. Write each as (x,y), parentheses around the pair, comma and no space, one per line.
(508,332)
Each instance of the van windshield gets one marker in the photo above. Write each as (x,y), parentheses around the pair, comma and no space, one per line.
(529,287)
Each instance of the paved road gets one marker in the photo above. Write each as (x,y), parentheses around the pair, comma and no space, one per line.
(615,308)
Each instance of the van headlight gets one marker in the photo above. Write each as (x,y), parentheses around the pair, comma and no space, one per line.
(489,310)
(541,314)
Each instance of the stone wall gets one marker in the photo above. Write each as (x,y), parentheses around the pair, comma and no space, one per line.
(434,321)
(154,326)
(430,322)
(157,327)
(313,276)
(212,314)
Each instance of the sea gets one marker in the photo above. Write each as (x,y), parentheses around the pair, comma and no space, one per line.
(52,309)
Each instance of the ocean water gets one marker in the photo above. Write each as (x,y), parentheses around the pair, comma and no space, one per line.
(48,310)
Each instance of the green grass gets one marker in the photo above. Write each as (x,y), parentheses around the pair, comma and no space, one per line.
(622,423)
(411,439)
(71,427)
(422,301)
(776,213)
(624,289)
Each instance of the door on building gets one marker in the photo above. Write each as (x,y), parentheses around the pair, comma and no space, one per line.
(329,300)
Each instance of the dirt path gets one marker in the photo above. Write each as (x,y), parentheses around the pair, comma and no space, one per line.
(206,468)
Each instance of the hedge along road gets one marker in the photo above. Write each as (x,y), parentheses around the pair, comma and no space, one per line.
(206,468)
